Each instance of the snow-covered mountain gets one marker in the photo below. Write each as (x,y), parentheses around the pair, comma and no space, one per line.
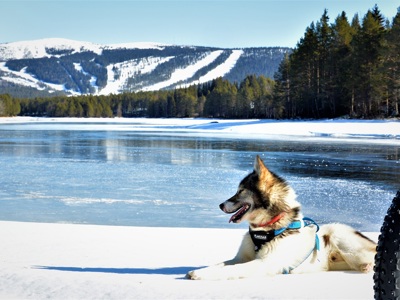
(74,67)
(44,47)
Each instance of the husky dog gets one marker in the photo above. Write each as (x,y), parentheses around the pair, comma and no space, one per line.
(280,240)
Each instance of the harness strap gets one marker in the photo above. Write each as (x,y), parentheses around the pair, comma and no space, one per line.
(261,237)
(308,222)
(287,271)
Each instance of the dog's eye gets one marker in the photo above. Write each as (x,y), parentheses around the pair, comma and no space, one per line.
(239,191)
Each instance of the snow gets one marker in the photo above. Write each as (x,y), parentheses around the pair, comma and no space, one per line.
(137,45)
(23,78)
(70,261)
(185,73)
(119,73)
(221,70)
(37,48)
(343,130)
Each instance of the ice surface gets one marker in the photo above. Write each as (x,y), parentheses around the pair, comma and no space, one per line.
(166,172)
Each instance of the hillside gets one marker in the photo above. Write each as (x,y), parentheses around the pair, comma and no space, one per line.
(60,66)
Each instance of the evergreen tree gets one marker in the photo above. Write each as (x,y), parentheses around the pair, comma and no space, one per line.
(324,99)
(392,67)
(265,106)
(221,101)
(90,110)
(201,100)
(343,34)
(185,103)
(9,107)
(303,70)
(72,110)
(282,91)
(368,54)
(171,107)
(245,99)
(353,66)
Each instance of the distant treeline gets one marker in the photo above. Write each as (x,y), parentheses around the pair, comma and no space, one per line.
(336,69)
(219,98)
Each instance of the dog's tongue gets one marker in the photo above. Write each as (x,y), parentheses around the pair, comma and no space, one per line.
(239,212)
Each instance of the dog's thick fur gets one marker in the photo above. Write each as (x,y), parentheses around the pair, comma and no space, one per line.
(268,203)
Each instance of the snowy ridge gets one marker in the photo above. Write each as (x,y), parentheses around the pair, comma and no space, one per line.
(137,45)
(42,48)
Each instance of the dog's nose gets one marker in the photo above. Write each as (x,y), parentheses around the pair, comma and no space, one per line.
(221,206)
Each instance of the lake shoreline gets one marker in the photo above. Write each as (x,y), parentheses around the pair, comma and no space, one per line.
(338,130)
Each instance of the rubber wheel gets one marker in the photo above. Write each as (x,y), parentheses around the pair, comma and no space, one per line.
(387,259)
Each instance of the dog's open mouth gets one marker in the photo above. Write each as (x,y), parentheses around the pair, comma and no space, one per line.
(239,213)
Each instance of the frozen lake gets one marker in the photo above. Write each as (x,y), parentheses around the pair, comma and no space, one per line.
(71,173)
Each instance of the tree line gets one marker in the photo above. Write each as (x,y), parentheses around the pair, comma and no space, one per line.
(218,98)
(343,68)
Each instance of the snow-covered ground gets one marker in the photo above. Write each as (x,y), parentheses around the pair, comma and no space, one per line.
(65,261)
(370,131)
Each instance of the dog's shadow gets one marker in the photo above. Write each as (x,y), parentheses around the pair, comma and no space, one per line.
(143,271)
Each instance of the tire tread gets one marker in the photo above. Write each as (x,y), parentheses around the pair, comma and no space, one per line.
(387,259)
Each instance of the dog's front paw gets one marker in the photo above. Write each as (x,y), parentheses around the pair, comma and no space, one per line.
(192,275)
(208,273)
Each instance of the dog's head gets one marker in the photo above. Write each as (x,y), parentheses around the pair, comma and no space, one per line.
(261,196)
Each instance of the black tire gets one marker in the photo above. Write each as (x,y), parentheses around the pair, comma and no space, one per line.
(387,259)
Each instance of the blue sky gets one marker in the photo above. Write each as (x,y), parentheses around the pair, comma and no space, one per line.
(221,23)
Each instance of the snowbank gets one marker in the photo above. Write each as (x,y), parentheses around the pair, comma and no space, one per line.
(66,261)
(370,131)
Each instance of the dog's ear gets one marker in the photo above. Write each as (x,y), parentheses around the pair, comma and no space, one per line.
(263,173)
